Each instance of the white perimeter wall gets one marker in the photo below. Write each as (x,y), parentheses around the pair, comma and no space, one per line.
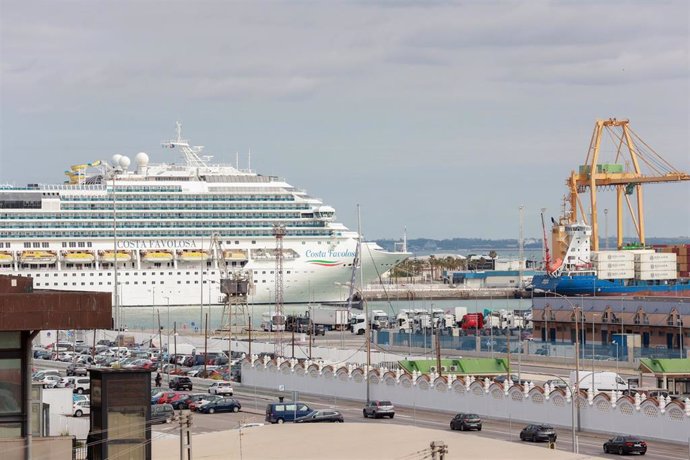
(648,418)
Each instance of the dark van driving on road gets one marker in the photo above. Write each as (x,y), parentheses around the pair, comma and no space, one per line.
(286,412)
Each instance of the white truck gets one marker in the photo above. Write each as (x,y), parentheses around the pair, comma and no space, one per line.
(182,349)
(602,381)
(332,319)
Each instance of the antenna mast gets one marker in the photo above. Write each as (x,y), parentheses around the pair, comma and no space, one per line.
(191,154)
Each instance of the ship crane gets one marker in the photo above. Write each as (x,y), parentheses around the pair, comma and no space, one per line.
(648,167)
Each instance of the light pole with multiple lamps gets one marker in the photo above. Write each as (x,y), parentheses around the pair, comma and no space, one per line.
(577,311)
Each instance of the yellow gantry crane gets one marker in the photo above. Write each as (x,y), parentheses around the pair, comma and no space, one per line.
(642,166)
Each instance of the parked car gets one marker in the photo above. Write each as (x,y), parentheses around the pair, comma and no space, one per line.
(77,397)
(187,400)
(378,409)
(502,378)
(176,399)
(286,412)
(465,422)
(220,388)
(162,413)
(80,384)
(180,383)
(80,408)
(50,381)
(625,445)
(319,416)
(556,383)
(538,433)
(41,354)
(196,404)
(162,397)
(222,405)
(40,375)
(77,369)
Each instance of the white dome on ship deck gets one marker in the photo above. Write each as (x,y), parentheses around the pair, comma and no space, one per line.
(124,162)
(142,159)
(115,160)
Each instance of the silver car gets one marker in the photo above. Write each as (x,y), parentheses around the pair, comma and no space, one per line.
(378,409)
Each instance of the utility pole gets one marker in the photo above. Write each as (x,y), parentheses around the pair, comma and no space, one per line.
(185,435)
(205,345)
(311,330)
(175,343)
(508,344)
(160,340)
(293,337)
(250,337)
(279,317)
(437,344)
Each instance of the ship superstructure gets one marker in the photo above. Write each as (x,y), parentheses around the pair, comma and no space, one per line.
(173,228)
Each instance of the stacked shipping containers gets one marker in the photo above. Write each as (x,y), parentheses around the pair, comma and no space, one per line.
(651,265)
(611,265)
(682,252)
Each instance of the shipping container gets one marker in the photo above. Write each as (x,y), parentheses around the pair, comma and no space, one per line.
(654,266)
(656,275)
(614,265)
(655,257)
(599,256)
(684,274)
(616,274)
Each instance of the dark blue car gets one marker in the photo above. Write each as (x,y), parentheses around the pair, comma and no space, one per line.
(223,405)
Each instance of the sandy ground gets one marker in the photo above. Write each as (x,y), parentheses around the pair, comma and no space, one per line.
(350,441)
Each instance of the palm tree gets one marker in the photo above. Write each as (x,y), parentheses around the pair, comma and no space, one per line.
(493,254)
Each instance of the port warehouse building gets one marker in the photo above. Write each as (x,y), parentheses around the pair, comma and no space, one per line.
(654,323)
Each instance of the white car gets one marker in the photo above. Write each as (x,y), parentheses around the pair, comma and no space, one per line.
(80,408)
(220,388)
(50,381)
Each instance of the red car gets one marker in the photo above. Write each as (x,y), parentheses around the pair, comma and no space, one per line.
(167,397)
(174,399)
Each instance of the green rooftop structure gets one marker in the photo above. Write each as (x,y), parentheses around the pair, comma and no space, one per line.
(488,367)
(671,374)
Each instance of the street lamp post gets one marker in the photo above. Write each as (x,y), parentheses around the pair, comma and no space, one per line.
(616,344)
(577,314)
(573,404)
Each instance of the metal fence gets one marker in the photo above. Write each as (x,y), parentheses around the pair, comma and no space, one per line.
(498,344)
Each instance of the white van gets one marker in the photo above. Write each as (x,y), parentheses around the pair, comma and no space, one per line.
(79,385)
(603,381)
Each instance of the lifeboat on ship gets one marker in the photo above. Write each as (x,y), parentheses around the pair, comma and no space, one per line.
(193,255)
(78,257)
(38,257)
(235,254)
(6,258)
(158,256)
(109,256)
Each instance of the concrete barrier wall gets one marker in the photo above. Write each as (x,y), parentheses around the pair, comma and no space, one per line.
(605,412)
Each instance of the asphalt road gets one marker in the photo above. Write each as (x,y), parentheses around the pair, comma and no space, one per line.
(254,403)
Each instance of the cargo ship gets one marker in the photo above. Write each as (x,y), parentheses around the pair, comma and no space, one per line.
(626,272)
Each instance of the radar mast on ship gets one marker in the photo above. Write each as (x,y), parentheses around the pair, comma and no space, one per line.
(192,154)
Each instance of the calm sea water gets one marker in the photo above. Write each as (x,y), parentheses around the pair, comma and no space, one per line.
(189,317)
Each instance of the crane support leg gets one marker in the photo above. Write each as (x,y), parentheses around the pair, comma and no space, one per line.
(640,215)
(619,215)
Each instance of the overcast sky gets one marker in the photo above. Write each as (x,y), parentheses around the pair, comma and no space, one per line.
(443,117)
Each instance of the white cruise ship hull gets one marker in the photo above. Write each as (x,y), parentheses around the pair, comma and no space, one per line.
(312,275)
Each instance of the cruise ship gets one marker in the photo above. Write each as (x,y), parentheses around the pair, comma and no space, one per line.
(167,233)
